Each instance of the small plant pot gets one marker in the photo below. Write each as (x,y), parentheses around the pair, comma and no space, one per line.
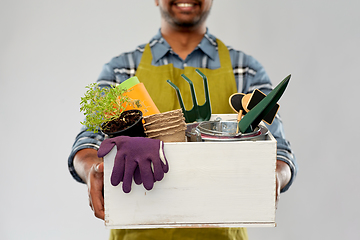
(168,126)
(128,124)
(169,134)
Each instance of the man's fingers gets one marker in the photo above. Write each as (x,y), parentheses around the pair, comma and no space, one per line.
(98,207)
(277,197)
(96,202)
(99,168)
(95,186)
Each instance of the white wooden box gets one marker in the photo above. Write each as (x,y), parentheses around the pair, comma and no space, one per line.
(209,184)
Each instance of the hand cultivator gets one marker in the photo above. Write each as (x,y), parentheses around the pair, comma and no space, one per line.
(196,113)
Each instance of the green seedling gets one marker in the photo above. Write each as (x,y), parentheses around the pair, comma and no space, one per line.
(103,104)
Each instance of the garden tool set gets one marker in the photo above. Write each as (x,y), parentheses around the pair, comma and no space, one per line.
(255,107)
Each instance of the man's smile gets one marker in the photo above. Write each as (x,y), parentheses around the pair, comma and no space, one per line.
(185,5)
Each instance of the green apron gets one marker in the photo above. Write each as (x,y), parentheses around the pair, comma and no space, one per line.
(221,82)
(221,85)
(180,234)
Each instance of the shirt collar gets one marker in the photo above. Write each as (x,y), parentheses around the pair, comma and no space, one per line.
(209,45)
(160,47)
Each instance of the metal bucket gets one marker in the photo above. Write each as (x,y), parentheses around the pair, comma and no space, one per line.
(216,131)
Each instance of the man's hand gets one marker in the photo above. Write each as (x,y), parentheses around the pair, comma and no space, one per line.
(283,175)
(91,170)
(95,183)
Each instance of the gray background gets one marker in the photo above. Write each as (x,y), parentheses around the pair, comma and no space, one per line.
(50,50)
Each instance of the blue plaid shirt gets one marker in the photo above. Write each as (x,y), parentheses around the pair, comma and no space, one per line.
(249,75)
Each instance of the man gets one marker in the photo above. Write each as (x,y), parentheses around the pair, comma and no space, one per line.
(182,44)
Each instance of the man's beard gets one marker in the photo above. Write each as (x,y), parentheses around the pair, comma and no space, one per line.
(184,24)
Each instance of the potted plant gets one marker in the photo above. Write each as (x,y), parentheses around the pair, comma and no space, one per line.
(104,110)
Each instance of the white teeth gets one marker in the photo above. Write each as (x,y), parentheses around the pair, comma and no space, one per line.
(185,5)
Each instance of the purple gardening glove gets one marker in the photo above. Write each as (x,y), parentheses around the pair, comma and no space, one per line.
(138,157)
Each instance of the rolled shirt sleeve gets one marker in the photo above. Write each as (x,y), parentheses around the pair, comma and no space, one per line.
(85,139)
